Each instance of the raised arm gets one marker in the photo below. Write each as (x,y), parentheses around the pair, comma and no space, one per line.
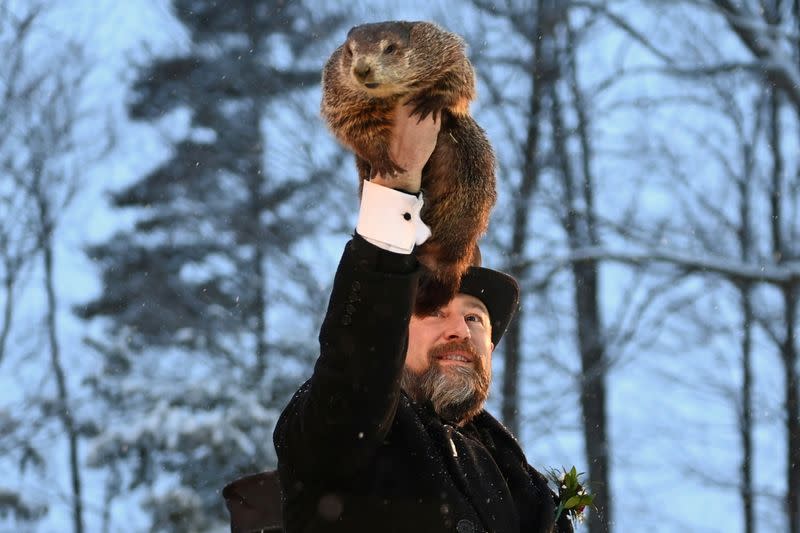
(335,422)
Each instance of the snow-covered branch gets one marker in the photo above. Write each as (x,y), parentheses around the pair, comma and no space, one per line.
(729,268)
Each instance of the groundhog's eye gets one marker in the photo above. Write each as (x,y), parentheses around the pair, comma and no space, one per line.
(389,49)
(348,51)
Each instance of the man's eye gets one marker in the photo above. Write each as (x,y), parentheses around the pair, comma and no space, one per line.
(475,318)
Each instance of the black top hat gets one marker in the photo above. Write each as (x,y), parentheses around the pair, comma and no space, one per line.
(498,291)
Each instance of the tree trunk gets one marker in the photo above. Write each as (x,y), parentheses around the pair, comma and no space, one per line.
(112,490)
(55,358)
(521,219)
(790,363)
(746,416)
(255,179)
(593,392)
(593,366)
(788,349)
(791,368)
(259,281)
(8,312)
(579,226)
(745,408)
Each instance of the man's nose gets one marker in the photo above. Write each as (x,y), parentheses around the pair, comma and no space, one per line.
(456,327)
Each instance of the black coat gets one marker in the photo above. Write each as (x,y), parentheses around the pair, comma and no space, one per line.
(355,454)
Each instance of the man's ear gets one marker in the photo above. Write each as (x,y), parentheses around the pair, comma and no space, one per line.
(491,347)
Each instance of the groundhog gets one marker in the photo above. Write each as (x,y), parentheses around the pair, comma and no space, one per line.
(422,64)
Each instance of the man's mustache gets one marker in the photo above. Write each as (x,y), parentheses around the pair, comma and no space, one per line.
(464,346)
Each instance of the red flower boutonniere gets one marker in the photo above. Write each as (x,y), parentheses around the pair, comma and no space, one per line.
(572,496)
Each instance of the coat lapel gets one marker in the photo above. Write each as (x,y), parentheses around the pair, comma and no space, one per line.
(485,495)
(533,498)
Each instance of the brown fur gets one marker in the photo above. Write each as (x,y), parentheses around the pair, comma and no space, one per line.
(427,67)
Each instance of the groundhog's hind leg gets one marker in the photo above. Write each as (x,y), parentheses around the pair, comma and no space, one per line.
(459,185)
(459,181)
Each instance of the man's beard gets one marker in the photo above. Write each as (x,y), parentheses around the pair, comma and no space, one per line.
(457,393)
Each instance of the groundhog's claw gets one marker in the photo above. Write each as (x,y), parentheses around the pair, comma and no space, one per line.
(386,167)
(424,106)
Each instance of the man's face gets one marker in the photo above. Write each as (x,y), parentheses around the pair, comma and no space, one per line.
(449,358)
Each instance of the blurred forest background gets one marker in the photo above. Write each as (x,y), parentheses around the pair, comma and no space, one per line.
(172,209)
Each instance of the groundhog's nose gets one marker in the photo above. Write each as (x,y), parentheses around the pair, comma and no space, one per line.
(361,70)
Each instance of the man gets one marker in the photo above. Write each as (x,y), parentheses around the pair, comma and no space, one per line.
(389,434)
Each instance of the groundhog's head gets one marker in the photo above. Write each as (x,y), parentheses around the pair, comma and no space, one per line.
(389,58)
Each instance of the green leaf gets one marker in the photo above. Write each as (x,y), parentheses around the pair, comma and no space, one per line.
(572,502)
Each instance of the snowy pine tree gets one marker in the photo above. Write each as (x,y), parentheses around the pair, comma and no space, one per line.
(194,375)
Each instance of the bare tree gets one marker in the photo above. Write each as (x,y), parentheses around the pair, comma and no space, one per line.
(580,226)
(763,31)
(533,21)
(16,243)
(747,249)
(741,166)
(16,253)
(44,151)
(542,26)
(761,28)
(782,252)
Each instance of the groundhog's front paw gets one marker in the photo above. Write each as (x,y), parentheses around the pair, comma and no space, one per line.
(385,167)
(424,105)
